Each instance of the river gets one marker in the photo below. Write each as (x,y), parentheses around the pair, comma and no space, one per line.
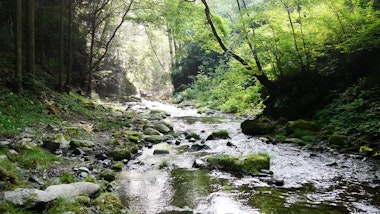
(314,182)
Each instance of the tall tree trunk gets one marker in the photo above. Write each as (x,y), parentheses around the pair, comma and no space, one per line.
(171,48)
(61,45)
(31,47)
(261,77)
(41,43)
(69,47)
(18,41)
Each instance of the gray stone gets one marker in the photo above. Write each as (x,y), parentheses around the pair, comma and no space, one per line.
(52,146)
(151,131)
(4,144)
(28,197)
(164,129)
(73,189)
(155,139)
(81,143)
(199,164)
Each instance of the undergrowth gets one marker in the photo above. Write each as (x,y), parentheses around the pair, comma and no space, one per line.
(355,112)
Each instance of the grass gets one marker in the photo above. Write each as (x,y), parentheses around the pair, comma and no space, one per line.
(20,111)
(35,158)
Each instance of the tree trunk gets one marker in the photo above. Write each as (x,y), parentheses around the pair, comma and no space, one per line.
(18,41)
(61,46)
(261,77)
(31,47)
(69,47)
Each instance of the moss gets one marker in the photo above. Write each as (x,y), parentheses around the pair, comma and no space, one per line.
(109,203)
(253,127)
(251,164)
(62,205)
(366,151)
(337,140)
(119,154)
(163,164)
(36,158)
(108,175)
(118,166)
(189,135)
(8,174)
(307,126)
(221,134)
(255,163)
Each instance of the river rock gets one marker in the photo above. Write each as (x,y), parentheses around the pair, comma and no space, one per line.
(151,131)
(162,128)
(155,139)
(81,143)
(73,189)
(251,164)
(4,143)
(253,127)
(119,154)
(199,164)
(29,197)
(51,145)
(221,134)
(197,146)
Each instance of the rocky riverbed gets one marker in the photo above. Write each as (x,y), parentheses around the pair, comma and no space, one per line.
(155,158)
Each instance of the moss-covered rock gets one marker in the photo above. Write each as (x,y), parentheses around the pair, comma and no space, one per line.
(255,127)
(151,131)
(189,135)
(108,175)
(337,140)
(119,154)
(292,126)
(155,139)
(221,134)
(117,166)
(366,151)
(248,165)
(162,128)
(109,203)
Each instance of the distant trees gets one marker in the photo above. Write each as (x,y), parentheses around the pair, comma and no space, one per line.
(99,14)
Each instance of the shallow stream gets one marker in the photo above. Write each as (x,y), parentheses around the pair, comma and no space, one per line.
(314,182)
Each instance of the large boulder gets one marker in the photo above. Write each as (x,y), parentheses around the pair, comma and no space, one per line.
(254,127)
(250,164)
(292,126)
(29,197)
(73,189)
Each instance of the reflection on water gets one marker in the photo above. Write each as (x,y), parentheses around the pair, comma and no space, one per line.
(312,183)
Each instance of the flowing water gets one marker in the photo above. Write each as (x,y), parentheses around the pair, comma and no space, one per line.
(314,182)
